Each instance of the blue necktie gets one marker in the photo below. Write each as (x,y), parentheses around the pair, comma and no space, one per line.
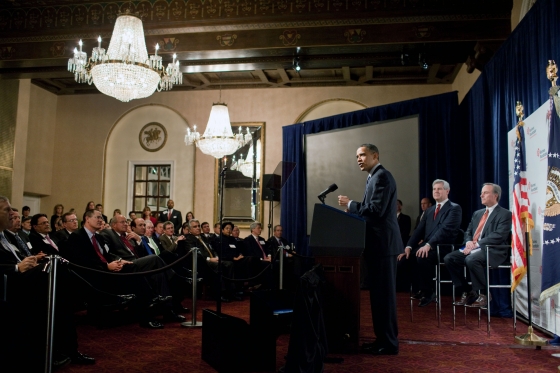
(148,248)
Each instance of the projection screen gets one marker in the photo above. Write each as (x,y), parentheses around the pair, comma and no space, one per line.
(331,158)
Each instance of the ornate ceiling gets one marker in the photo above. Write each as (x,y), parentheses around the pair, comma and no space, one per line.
(253,43)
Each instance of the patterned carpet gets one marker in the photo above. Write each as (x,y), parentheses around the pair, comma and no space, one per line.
(424,347)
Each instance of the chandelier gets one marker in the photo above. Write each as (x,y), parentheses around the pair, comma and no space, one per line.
(218,139)
(125,72)
(246,166)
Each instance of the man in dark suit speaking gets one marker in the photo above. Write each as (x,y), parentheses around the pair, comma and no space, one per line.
(439,225)
(383,244)
(489,226)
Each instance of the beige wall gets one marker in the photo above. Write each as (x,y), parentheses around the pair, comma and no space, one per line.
(82,123)
(41,142)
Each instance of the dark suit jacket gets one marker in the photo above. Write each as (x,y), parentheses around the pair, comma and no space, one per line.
(168,243)
(496,232)
(176,219)
(62,235)
(81,251)
(191,241)
(404,227)
(38,244)
(379,209)
(272,245)
(118,248)
(7,259)
(443,229)
(252,247)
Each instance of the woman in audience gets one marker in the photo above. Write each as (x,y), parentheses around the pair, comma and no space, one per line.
(185,228)
(147,215)
(57,213)
(190,216)
(58,224)
(117,212)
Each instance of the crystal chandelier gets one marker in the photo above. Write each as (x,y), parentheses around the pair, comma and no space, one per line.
(125,72)
(245,166)
(218,139)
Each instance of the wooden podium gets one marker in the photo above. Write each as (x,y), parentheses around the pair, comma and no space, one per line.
(337,241)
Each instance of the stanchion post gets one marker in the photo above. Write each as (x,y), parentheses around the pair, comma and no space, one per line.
(281,282)
(530,338)
(193,323)
(52,269)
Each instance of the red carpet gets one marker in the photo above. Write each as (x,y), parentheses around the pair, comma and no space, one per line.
(423,346)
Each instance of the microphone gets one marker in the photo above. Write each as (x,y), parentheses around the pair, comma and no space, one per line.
(324,193)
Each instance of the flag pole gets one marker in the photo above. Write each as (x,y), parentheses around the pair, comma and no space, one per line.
(530,338)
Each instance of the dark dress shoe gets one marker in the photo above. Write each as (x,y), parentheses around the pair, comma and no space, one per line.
(173,317)
(369,345)
(463,299)
(81,359)
(480,302)
(380,350)
(417,295)
(427,300)
(151,325)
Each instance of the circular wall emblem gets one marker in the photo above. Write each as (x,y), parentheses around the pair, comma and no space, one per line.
(153,136)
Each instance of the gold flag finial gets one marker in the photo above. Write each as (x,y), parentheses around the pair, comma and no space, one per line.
(552,72)
(519,111)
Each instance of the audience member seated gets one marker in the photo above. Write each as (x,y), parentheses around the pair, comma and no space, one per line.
(90,249)
(232,251)
(131,215)
(172,215)
(25,226)
(189,216)
(258,257)
(41,241)
(57,213)
(25,212)
(206,230)
(440,225)
(185,229)
(99,207)
(27,296)
(20,241)
(489,226)
(177,283)
(168,239)
(207,262)
(158,229)
(274,245)
(235,233)
(70,225)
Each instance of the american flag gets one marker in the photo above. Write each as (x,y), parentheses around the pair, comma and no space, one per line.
(521,211)
(550,284)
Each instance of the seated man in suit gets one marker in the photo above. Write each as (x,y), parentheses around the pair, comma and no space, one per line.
(70,223)
(206,230)
(440,225)
(168,239)
(273,245)
(489,226)
(172,215)
(207,263)
(41,241)
(27,294)
(257,255)
(14,230)
(177,284)
(93,250)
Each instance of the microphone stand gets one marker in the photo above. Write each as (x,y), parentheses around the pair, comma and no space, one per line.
(220,217)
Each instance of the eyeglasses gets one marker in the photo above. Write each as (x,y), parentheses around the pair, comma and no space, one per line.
(72,220)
